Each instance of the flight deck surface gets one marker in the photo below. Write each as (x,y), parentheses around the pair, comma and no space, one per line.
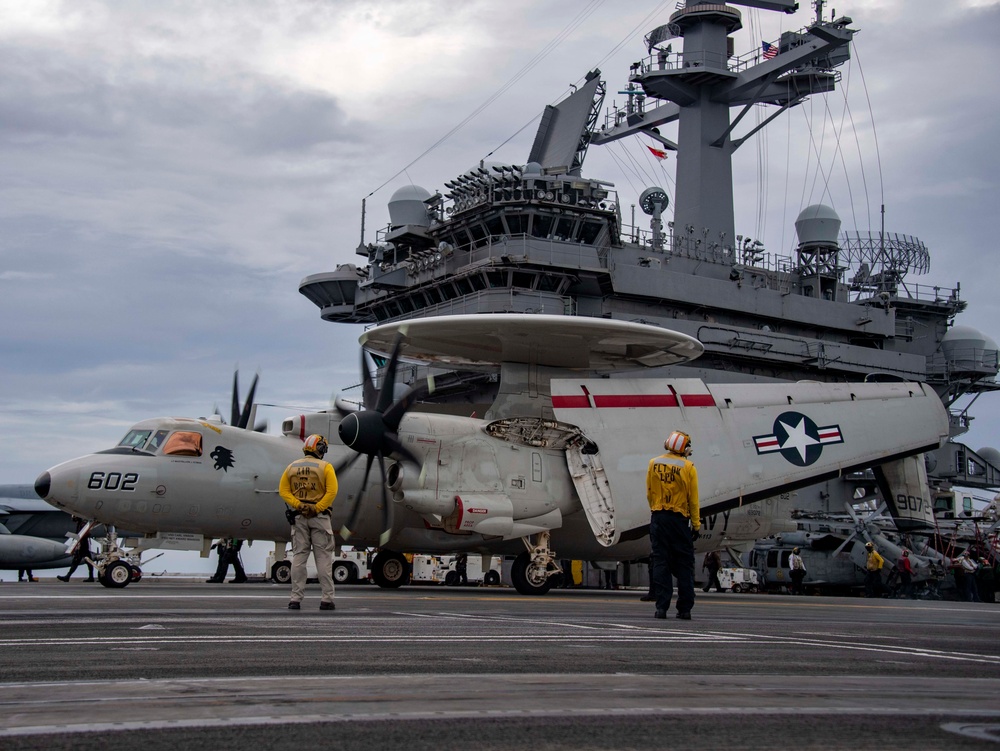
(177,664)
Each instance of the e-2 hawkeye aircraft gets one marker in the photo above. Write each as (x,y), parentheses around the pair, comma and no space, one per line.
(556,469)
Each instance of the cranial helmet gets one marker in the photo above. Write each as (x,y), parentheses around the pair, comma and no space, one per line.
(315,445)
(795,550)
(869,545)
(678,443)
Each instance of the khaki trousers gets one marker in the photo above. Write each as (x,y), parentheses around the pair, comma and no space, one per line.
(314,534)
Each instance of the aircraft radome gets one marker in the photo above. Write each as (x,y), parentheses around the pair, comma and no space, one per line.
(555,470)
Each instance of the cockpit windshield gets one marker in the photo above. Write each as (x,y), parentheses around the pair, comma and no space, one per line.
(157,440)
(135,439)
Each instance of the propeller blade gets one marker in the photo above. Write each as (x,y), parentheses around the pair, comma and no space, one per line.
(234,413)
(386,508)
(248,404)
(368,394)
(345,464)
(395,413)
(260,426)
(389,381)
(395,447)
(348,529)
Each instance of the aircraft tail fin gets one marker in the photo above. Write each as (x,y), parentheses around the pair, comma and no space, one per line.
(903,484)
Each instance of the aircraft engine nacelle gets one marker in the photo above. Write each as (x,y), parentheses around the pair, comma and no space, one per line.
(492,515)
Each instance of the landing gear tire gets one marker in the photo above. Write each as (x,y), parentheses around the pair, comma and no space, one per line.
(526,579)
(136,574)
(281,572)
(117,575)
(491,579)
(343,573)
(390,570)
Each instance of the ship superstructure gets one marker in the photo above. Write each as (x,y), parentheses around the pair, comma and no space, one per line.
(541,237)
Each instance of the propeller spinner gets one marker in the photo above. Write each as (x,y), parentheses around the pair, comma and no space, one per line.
(372,433)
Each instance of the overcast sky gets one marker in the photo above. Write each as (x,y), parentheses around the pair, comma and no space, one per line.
(171,170)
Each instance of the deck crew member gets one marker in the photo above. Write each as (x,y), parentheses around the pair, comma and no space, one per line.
(796,571)
(873,575)
(674,523)
(309,486)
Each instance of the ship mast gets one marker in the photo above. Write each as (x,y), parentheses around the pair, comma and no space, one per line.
(704,82)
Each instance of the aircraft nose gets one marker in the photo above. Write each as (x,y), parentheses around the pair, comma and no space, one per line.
(43,485)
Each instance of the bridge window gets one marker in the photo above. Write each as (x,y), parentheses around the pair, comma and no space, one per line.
(517,223)
(590,232)
(564,230)
(183,443)
(495,226)
(541,225)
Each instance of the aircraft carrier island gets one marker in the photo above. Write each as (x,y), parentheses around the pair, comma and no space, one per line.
(542,237)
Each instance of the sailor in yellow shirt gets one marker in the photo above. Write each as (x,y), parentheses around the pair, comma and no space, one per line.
(674,524)
(873,575)
(309,486)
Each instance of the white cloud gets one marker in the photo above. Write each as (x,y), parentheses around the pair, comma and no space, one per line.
(173,169)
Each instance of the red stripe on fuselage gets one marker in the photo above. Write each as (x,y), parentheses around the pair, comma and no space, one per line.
(618,401)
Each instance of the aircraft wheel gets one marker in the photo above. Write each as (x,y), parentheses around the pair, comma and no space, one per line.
(118,575)
(451,578)
(526,580)
(737,588)
(390,570)
(492,578)
(343,573)
(136,573)
(281,572)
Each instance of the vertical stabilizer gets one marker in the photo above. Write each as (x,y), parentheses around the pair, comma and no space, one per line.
(906,492)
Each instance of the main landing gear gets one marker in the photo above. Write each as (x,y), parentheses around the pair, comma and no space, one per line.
(533,569)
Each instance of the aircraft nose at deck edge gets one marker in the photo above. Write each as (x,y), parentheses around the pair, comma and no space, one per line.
(43,485)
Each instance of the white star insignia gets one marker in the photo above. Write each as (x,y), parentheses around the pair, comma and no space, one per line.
(797,438)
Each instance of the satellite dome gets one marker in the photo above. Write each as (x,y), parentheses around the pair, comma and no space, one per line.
(991,356)
(533,168)
(991,455)
(818,225)
(963,348)
(407,206)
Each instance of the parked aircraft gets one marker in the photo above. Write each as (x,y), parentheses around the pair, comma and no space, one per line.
(555,470)
(33,534)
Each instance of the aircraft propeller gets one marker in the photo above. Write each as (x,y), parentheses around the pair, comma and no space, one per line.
(372,432)
(240,417)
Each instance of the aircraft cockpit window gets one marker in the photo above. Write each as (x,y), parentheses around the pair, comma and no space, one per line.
(135,439)
(157,440)
(183,443)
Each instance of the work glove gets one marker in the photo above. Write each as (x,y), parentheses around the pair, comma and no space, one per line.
(307,511)
(695,535)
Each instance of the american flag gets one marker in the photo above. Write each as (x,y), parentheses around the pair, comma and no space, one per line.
(770,50)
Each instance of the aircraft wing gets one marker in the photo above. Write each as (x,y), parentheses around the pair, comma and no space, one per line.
(750,441)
